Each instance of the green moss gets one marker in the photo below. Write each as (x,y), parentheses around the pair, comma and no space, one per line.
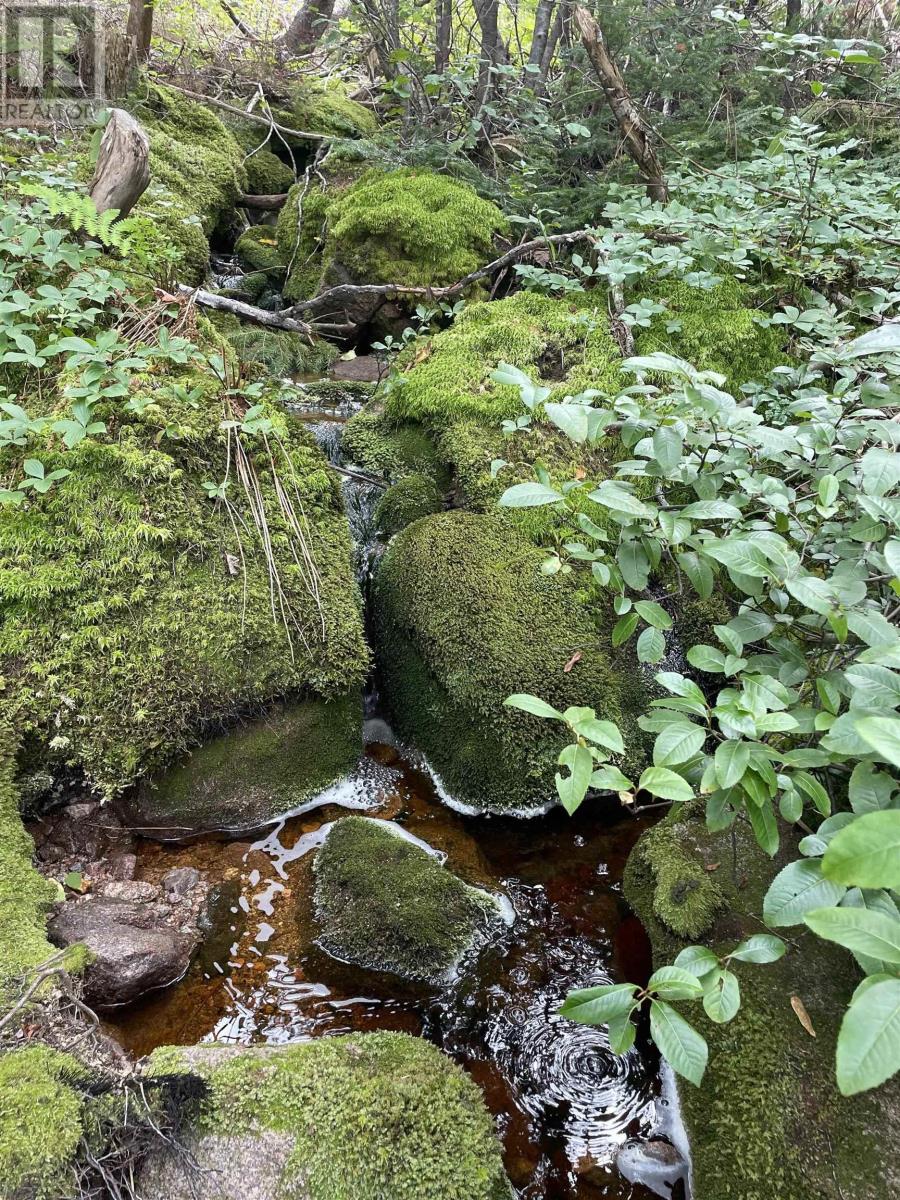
(134,613)
(257,770)
(40,1123)
(413,227)
(412,497)
(685,897)
(196,174)
(370,1116)
(394,451)
(25,896)
(318,109)
(385,903)
(267,175)
(276,353)
(546,337)
(464,617)
(257,250)
(717,331)
(768,1119)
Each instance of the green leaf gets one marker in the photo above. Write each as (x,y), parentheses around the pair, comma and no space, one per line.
(74,881)
(679,1043)
(867,852)
(612,496)
(891,552)
(651,645)
(573,787)
(667,447)
(624,628)
(659,781)
(721,996)
(572,419)
(812,592)
(610,779)
(654,614)
(604,733)
(621,1033)
(706,658)
(533,705)
(698,960)
(883,340)
(765,826)
(883,735)
(759,948)
(675,983)
(858,929)
(870,789)
(678,744)
(595,1005)
(868,1047)
(698,572)
(711,510)
(732,759)
(528,495)
(796,890)
(739,554)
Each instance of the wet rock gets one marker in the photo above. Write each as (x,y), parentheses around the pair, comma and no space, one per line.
(245,778)
(86,834)
(655,1164)
(385,902)
(367,1115)
(179,881)
(365,368)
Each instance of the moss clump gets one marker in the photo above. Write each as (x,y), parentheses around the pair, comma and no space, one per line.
(40,1123)
(464,617)
(394,451)
(275,353)
(256,771)
(267,175)
(412,497)
(384,902)
(135,613)
(769,1094)
(318,109)
(360,1117)
(257,250)
(25,896)
(413,227)
(717,331)
(686,898)
(196,174)
(557,341)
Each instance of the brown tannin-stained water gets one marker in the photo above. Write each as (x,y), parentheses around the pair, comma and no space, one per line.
(563,1101)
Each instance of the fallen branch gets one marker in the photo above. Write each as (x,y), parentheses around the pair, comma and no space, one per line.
(269,123)
(259,316)
(271,201)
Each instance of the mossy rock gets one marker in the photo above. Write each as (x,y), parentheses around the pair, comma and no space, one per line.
(360,1117)
(464,617)
(41,1125)
(25,896)
(196,170)
(562,343)
(267,174)
(384,902)
(135,613)
(412,227)
(381,447)
(412,497)
(275,353)
(768,1119)
(257,250)
(256,771)
(328,109)
(717,331)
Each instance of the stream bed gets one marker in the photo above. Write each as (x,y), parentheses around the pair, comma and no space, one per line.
(563,1101)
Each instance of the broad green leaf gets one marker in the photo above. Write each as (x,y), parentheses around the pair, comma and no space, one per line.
(891,552)
(868,1047)
(667,447)
(595,1005)
(698,960)
(634,565)
(883,340)
(678,744)
(679,1043)
(732,759)
(721,996)
(866,853)
(654,614)
(533,705)
(528,495)
(571,788)
(759,948)
(706,658)
(858,929)
(621,1032)
(764,825)
(660,781)
(870,789)
(812,592)
(711,510)
(883,735)
(651,645)
(796,890)
(611,495)
(610,779)
(739,554)
(603,733)
(624,628)
(675,983)
(572,419)
(698,572)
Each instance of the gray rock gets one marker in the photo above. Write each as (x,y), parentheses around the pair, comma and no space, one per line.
(655,1164)
(132,890)
(179,882)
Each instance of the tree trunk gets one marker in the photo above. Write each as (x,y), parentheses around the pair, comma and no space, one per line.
(542,19)
(636,134)
(140,31)
(123,169)
(306,27)
(491,53)
(443,15)
(792,17)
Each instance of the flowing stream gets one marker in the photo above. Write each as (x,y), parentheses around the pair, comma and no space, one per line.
(564,1102)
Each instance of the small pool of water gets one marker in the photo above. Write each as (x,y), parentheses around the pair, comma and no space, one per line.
(563,1101)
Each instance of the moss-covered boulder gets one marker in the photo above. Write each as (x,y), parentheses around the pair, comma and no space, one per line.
(768,1119)
(41,1126)
(381,447)
(464,617)
(275,353)
(256,771)
(408,226)
(384,902)
(196,172)
(139,610)
(405,501)
(267,174)
(378,1116)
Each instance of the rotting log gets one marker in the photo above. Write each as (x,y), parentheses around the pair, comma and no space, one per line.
(269,201)
(636,133)
(123,165)
(259,316)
